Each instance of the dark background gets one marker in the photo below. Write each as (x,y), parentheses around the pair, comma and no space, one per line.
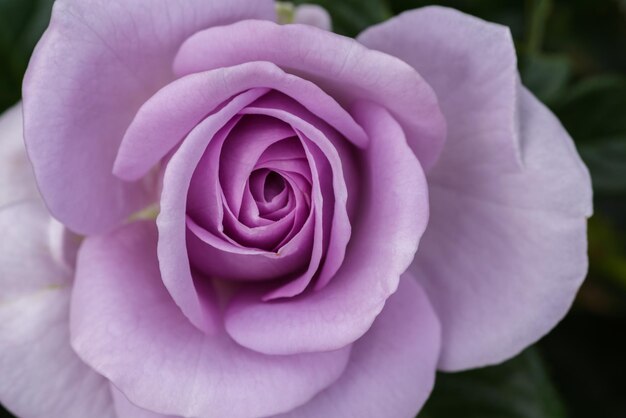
(572,55)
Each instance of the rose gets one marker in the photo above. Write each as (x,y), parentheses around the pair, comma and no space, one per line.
(287,164)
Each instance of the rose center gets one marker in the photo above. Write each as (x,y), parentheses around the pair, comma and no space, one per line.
(274,185)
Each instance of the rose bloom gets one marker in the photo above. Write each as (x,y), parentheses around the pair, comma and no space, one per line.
(248,219)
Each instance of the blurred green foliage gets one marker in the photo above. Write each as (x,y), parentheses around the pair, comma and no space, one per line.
(21,24)
(572,55)
(518,388)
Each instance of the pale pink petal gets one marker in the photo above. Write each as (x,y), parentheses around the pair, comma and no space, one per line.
(340,65)
(41,375)
(125,325)
(505,249)
(25,228)
(392,367)
(16,178)
(96,64)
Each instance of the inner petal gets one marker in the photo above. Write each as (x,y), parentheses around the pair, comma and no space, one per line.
(282,189)
(265,237)
(268,189)
(326,150)
(261,178)
(253,213)
(262,206)
(241,151)
(274,185)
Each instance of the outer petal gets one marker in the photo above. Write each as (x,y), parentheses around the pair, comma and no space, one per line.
(41,374)
(125,325)
(505,249)
(392,368)
(471,65)
(25,229)
(359,74)
(16,178)
(519,245)
(343,311)
(75,121)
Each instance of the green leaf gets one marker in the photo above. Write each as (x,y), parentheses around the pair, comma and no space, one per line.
(594,113)
(539,13)
(595,109)
(350,17)
(592,33)
(546,75)
(606,160)
(21,24)
(518,388)
(607,251)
